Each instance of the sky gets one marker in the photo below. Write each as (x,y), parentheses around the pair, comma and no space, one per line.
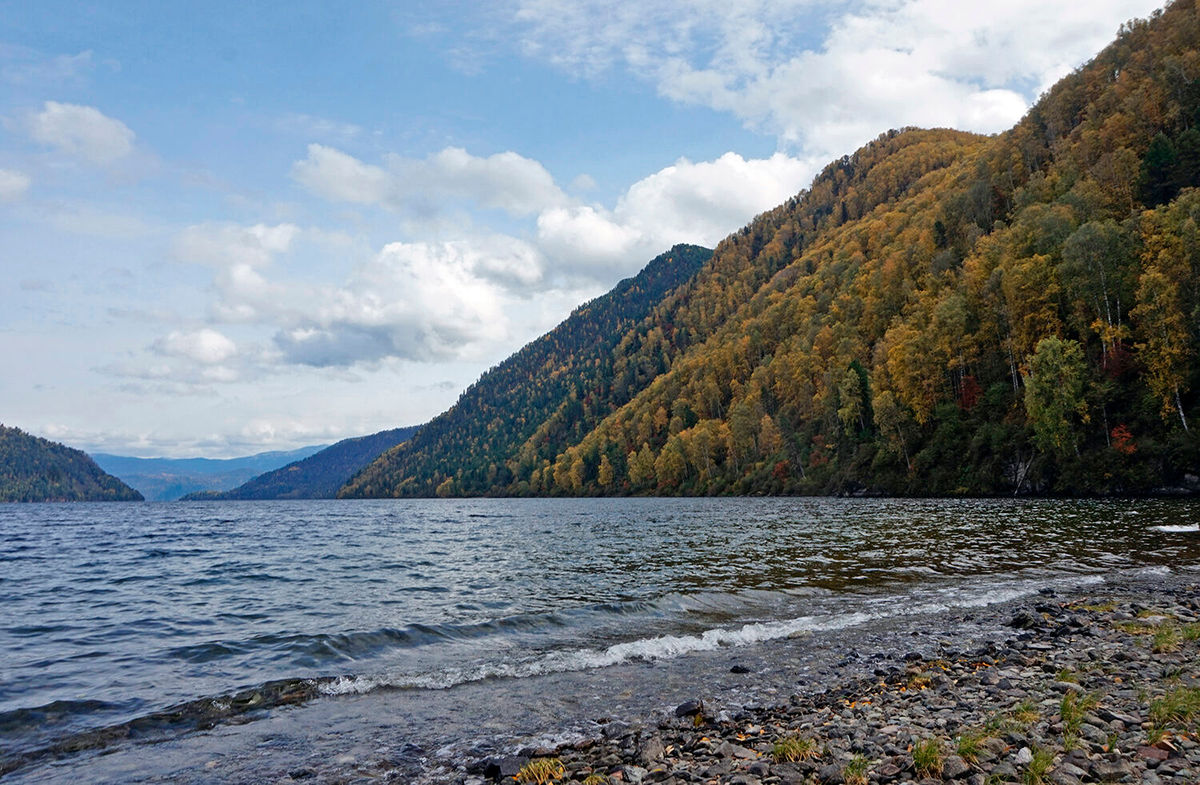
(230,227)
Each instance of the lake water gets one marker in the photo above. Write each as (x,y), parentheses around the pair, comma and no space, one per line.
(114,612)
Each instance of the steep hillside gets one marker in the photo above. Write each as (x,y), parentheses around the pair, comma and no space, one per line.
(551,392)
(319,476)
(940,313)
(38,470)
(166,479)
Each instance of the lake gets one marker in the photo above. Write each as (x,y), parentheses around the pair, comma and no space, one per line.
(115,612)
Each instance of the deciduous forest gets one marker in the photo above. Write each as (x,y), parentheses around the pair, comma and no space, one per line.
(939,313)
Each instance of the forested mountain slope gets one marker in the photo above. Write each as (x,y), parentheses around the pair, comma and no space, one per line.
(550,393)
(318,476)
(940,313)
(38,470)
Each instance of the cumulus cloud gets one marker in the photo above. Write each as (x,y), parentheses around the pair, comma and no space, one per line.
(828,88)
(334,175)
(220,245)
(687,202)
(238,253)
(205,346)
(13,185)
(82,131)
(505,181)
(417,301)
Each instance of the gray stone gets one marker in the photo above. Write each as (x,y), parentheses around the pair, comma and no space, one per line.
(1117,769)
(1005,772)
(1023,756)
(651,751)
(954,767)
(729,750)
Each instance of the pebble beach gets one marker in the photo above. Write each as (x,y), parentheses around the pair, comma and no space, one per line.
(1100,686)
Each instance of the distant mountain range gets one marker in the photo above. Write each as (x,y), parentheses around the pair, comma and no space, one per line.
(167,479)
(37,470)
(318,476)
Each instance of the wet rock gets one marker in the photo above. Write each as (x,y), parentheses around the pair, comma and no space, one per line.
(689,708)
(1024,620)
(504,767)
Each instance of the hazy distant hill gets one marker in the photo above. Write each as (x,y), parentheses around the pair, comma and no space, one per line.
(319,475)
(166,479)
(37,470)
(940,313)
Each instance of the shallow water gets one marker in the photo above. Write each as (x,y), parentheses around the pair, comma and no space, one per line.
(117,611)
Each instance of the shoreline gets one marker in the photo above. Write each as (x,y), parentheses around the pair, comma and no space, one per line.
(1091,686)
(840,687)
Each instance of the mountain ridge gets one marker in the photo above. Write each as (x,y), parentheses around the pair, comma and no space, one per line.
(316,476)
(33,469)
(939,313)
(166,479)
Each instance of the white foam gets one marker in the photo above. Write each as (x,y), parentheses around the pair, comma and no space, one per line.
(672,646)
(1177,529)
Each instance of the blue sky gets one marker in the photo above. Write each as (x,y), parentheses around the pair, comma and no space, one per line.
(232,227)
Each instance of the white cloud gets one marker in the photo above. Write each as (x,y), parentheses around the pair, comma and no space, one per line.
(13,185)
(82,131)
(221,245)
(686,202)
(339,177)
(205,346)
(418,301)
(505,181)
(23,65)
(827,89)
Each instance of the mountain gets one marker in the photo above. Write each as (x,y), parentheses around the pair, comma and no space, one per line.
(38,470)
(939,313)
(319,476)
(166,479)
(543,398)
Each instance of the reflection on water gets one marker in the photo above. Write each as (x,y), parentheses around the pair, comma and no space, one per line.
(121,610)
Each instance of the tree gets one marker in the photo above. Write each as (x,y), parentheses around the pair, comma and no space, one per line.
(1165,349)
(890,422)
(604,475)
(1054,394)
(1159,172)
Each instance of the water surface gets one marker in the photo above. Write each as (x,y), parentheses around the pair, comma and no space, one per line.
(116,611)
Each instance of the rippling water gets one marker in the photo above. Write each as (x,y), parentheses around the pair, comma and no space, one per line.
(117,611)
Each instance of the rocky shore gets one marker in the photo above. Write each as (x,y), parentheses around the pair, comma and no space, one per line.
(1101,688)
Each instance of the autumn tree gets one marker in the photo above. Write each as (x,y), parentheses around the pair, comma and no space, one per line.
(1054,394)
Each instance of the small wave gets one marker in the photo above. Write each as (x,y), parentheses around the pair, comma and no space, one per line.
(51,713)
(1177,529)
(672,646)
